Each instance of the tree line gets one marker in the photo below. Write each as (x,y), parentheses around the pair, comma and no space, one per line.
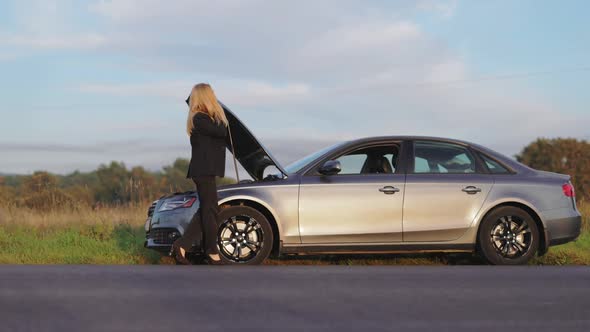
(116,184)
(561,155)
(110,184)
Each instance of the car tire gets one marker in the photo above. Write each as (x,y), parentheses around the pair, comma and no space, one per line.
(251,231)
(508,236)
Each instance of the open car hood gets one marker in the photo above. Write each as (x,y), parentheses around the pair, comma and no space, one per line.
(249,152)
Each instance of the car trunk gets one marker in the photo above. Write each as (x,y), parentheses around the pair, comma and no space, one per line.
(557,176)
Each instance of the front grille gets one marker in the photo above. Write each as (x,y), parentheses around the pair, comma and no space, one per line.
(163,235)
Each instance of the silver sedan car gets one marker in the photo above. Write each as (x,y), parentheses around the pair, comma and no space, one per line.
(379,195)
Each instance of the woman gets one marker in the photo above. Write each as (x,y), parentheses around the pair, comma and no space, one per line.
(207,128)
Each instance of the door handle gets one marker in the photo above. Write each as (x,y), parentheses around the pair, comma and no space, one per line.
(471,190)
(389,190)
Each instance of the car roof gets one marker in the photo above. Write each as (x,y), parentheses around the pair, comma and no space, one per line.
(407,138)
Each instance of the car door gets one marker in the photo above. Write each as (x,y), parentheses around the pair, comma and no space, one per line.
(445,189)
(361,204)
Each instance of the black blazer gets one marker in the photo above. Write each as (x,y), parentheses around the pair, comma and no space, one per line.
(208,147)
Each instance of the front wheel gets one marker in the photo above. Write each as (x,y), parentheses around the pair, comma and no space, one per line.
(508,236)
(244,236)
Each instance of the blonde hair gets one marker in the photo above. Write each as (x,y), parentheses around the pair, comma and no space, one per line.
(202,99)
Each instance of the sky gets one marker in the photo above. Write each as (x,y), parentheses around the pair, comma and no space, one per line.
(83,83)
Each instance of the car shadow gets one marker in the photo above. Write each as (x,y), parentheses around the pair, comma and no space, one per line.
(379,259)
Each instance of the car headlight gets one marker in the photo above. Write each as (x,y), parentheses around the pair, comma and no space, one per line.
(147,224)
(178,202)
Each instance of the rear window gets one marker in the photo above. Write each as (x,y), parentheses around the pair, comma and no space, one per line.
(493,166)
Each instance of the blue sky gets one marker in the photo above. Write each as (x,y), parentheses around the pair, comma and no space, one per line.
(86,82)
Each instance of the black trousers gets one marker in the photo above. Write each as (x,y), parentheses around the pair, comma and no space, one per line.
(206,218)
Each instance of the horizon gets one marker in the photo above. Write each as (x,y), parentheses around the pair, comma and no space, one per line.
(87,83)
(229,169)
(229,163)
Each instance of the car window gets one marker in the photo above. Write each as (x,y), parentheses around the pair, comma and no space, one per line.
(390,157)
(438,157)
(296,166)
(352,163)
(493,166)
(371,160)
(421,165)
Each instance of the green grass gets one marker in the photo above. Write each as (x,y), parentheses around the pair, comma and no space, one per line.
(115,236)
(89,244)
(111,235)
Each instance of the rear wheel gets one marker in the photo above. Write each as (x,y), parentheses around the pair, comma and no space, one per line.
(508,236)
(244,236)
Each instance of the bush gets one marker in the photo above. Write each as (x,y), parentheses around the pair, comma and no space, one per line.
(561,155)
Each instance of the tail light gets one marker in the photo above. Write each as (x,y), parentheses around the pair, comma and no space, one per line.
(178,202)
(568,190)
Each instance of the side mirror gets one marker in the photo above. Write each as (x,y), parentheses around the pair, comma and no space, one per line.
(330,167)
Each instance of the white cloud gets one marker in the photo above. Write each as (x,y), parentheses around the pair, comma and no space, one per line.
(240,93)
(168,89)
(60,42)
(255,93)
(363,37)
(137,10)
(39,16)
(48,25)
(137,126)
(452,70)
(445,8)
(357,49)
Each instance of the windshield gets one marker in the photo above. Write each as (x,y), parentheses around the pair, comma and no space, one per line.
(296,166)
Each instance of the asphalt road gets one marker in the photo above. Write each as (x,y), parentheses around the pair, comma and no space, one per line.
(295,298)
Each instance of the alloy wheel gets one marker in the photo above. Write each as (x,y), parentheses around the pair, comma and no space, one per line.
(240,238)
(511,237)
